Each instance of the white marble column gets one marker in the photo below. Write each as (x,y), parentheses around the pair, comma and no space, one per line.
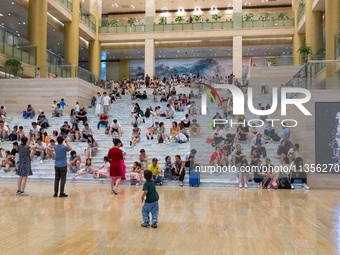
(237,13)
(237,57)
(150,11)
(149,57)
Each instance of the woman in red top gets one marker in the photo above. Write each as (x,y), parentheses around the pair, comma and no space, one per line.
(115,155)
(218,159)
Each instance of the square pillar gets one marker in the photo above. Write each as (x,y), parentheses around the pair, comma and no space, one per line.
(150,11)
(95,45)
(237,13)
(71,38)
(314,28)
(298,39)
(150,57)
(37,31)
(237,57)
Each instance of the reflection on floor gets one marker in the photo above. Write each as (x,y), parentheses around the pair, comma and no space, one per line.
(203,220)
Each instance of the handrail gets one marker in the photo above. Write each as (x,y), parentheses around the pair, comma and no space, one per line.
(17,47)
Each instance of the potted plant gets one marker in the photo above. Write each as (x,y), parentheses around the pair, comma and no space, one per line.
(162,20)
(113,22)
(216,17)
(264,16)
(283,15)
(305,51)
(207,20)
(14,66)
(179,19)
(197,18)
(131,21)
(248,16)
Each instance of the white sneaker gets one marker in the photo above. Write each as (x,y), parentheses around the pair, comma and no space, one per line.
(41,162)
(246,185)
(240,185)
(304,186)
(292,186)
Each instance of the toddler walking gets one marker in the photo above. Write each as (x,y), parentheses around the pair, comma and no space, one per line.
(151,201)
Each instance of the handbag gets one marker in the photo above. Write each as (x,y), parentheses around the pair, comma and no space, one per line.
(209,140)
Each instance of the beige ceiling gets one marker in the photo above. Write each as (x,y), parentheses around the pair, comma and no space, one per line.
(110,6)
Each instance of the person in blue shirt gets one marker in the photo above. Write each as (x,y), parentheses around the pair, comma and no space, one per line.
(269,129)
(62,105)
(60,167)
(285,132)
(74,162)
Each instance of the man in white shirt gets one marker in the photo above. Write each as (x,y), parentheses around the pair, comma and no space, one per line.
(106,103)
(3,130)
(40,151)
(115,127)
(54,107)
(34,130)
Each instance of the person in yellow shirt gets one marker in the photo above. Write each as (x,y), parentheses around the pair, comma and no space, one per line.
(155,169)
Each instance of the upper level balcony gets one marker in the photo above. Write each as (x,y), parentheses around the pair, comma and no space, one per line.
(197,22)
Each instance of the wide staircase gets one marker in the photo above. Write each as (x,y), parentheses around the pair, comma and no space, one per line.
(120,110)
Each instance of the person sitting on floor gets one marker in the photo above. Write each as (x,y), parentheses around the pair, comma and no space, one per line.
(298,173)
(136,174)
(258,144)
(115,128)
(87,170)
(155,169)
(168,169)
(242,133)
(179,169)
(74,162)
(135,138)
(194,128)
(104,171)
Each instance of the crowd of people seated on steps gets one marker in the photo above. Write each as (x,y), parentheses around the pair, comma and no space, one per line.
(180,131)
(229,152)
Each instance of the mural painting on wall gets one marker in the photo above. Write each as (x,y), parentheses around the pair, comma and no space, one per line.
(206,67)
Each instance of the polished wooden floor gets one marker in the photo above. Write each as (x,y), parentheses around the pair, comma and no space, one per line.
(191,221)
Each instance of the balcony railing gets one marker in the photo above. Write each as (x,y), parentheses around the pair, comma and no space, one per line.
(320,55)
(17,47)
(68,4)
(200,22)
(53,71)
(337,46)
(282,60)
(121,29)
(86,17)
(301,10)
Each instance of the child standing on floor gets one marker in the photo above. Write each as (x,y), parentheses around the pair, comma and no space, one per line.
(242,175)
(151,201)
